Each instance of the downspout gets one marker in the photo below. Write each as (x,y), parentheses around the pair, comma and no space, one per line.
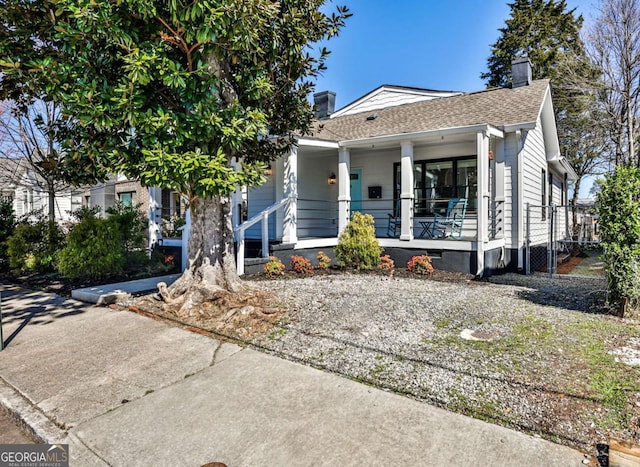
(520,145)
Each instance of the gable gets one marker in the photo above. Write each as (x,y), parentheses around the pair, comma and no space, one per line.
(389,96)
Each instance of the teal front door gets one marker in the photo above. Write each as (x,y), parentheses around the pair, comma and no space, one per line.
(355,176)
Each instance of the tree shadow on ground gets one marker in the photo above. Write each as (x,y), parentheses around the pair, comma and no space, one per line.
(42,309)
(576,294)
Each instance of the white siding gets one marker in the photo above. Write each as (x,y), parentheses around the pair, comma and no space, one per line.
(390,98)
(534,161)
(259,198)
(511,190)
(317,200)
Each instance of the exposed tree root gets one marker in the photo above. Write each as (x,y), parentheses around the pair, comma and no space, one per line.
(251,311)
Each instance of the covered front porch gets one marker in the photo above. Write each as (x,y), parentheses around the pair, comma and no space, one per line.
(404,182)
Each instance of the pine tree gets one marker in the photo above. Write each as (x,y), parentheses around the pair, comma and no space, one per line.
(540,29)
(549,35)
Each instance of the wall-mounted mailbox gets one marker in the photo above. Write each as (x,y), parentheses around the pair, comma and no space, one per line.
(375,192)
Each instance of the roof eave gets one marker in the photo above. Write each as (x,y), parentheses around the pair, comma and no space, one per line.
(316,143)
(421,135)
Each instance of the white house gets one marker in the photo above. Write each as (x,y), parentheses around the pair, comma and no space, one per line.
(417,149)
(21,184)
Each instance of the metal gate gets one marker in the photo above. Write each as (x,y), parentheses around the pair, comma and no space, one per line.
(559,238)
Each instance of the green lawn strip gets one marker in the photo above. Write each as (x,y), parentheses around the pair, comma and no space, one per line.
(611,382)
(533,335)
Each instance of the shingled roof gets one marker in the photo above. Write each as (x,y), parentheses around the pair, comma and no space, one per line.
(498,107)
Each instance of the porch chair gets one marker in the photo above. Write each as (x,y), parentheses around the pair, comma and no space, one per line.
(450,225)
(395,221)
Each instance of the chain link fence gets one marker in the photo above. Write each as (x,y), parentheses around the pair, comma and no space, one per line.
(563,240)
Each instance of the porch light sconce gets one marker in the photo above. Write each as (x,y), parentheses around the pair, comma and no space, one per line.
(268,171)
(332,179)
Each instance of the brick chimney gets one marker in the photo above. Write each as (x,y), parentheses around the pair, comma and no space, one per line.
(521,72)
(324,103)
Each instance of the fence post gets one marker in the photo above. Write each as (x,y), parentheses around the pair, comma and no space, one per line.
(265,234)
(240,253)
(527,240)
(550,243)
(556,227)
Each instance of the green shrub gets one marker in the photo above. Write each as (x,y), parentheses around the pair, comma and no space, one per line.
(94,250)
(323,260)
(618,206)
(85,211)
(274,267)
(35,247)
(357,246)
(420,265)
(7,226)
(301,265)
(132,226)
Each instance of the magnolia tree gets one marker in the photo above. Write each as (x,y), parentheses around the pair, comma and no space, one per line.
(170,93)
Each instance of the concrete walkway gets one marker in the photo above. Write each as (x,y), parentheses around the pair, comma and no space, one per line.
(126,390)
(110,293)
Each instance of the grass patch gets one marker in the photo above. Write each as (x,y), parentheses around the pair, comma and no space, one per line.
(532,333)
(591,266)
(610,381)
(442,323)
(276,334)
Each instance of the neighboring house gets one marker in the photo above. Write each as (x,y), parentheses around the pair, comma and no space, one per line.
(163,207)
(404,153)
(117,188)
(20,183)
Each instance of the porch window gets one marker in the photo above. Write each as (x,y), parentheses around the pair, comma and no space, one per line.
(437,181)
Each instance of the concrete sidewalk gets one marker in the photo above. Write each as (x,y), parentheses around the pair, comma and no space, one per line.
(126,390)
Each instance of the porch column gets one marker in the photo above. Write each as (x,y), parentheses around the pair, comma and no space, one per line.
(155,216)
(344,192)
(499,188)
(290,224)
(484,194)
(406,190)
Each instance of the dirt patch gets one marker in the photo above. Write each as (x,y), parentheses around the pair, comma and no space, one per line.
(569,265)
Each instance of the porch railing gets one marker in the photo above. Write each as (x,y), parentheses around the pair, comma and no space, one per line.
(241,230)
(496,220)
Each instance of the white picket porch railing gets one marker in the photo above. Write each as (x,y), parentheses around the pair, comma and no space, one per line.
(241,229)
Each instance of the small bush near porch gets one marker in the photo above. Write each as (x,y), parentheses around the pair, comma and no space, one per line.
(357,246)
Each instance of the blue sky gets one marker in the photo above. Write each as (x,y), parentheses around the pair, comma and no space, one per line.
(431,44)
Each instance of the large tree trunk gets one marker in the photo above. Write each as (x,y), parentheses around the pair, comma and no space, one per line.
(211,270)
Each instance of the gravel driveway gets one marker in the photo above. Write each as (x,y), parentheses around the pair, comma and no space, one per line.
(525,352)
